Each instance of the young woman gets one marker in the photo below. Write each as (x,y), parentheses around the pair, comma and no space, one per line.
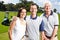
(18,26)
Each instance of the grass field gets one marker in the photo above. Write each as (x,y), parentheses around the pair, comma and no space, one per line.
(4,29)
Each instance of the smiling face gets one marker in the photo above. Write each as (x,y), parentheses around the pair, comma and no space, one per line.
(23,13)
(33,9)
(47,7)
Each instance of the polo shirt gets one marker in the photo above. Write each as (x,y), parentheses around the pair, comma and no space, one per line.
(33,25)
(49,23)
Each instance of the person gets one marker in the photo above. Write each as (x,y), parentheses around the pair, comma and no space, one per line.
(5,21)
(33,24)
(6,14)
(18,26)
(51,22)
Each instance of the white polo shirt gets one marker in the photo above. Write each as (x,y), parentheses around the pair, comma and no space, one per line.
(50,23)
(33,27)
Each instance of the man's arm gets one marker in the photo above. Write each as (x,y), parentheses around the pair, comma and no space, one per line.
(41,29)
(54,32)
(56,23)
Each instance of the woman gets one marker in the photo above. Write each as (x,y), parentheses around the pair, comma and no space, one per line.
(18,26)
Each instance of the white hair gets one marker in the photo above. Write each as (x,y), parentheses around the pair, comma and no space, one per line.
(48,2)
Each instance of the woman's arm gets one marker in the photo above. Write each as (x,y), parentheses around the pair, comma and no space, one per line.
(12,24)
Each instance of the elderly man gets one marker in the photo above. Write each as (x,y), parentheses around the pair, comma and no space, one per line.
(50,21)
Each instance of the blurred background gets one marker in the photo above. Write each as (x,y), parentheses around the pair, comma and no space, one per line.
(9,8)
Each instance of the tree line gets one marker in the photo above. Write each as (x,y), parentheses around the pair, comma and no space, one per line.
(15,7)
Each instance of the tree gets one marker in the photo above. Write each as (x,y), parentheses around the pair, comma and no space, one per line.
(41,9)
(55,10)
(9,7)
(21,1)
(24,4)
(13,7)
(2,6)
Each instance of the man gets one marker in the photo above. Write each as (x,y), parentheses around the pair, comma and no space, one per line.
(50,20)
(33,22)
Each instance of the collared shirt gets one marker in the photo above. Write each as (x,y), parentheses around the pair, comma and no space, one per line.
(49,23)
(33,27)
(33,18)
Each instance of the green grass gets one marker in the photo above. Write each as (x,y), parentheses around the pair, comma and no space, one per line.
(4,29)
(59,28)
(4,36)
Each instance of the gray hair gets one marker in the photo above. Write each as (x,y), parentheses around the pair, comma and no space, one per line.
(48,3)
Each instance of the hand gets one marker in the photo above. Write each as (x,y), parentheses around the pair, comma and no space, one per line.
(51,38)
(46,38)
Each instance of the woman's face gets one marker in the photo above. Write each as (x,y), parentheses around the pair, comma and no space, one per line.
(23,13)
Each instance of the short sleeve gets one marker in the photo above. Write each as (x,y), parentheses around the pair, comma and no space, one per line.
(41,27)
(56,20)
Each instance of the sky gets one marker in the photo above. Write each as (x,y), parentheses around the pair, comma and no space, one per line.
(55,3)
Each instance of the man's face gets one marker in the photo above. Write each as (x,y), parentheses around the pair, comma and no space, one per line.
(47,7)
(33,9)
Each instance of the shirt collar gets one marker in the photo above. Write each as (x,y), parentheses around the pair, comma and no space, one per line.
(50,13)
(33,18)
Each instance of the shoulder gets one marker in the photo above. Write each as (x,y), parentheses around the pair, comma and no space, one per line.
(14,18)
(37,16)
(55,14)
(27,17)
